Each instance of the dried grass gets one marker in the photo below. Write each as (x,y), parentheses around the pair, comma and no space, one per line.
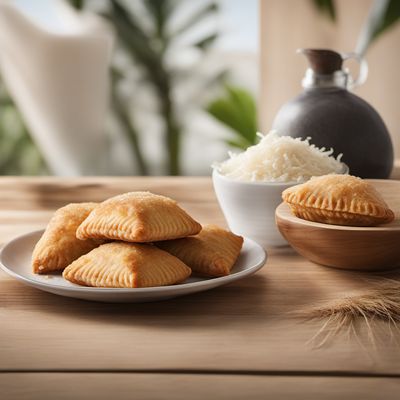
(379,303)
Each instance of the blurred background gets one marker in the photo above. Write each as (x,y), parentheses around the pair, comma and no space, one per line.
(166,87)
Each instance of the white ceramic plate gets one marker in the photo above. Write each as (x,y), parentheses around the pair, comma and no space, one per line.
(15,260)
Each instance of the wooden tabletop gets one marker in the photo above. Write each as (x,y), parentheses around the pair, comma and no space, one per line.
(235,341)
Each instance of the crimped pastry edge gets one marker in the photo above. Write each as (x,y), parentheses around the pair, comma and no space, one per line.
(344,218)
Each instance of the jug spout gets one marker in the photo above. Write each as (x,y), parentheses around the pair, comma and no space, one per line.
(55,62)
(322,61)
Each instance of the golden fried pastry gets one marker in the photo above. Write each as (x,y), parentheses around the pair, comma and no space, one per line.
(126,265)
(212,252)
(58,246)
(338,200)
(138,217)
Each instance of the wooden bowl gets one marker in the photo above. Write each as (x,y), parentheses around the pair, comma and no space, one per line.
(357,248)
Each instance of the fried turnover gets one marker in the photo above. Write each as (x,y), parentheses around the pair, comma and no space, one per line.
(138,217)
(338,200)
(58,246)
(126,265)
(212,252)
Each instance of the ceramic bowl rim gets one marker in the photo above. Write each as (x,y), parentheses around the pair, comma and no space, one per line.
(217,174)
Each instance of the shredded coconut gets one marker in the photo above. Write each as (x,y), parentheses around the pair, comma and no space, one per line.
(280,159)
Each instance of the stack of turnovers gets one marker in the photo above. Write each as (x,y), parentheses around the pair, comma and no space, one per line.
(136,239)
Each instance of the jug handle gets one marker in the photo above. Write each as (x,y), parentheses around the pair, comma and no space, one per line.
(363,70)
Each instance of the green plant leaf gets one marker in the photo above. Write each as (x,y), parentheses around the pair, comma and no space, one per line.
(160,12)
(327,8)
(207,41)
(196,17)
(237,110)
(245,102)
(116,74)
(18,153)
(382,16)
(391,16)
(5,101)
(240,144)
(215,80)
(137,43)
(129,30)
(129,129)
(78,4)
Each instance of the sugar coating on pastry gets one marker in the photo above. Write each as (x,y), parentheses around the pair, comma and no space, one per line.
(338,200)
(212,252)
(126,265)
(58,246)
(138,217)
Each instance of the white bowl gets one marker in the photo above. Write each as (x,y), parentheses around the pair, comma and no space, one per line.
(249,208)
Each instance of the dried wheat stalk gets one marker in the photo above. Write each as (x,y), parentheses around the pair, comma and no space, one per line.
(382,302)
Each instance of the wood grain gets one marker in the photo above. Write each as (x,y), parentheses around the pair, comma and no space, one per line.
(122,386)
(360,248)
(246,326)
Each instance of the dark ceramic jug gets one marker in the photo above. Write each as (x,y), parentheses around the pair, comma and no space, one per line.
(335,118)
